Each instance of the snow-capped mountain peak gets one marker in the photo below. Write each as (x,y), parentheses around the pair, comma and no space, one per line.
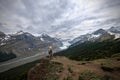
(44,35)
(100,31)
(20,32)
(41,39)
(115,29)
(99,35)
(95,36)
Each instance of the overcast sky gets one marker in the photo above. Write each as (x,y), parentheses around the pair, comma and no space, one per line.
(59,18)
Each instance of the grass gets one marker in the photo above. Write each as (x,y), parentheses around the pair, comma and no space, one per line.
(70,69)
(68,78)
(56,68)
(116,56)
(109,64)
(107,68)
(106,77)
(89,75)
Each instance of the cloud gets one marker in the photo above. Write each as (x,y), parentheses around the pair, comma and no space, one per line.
(59,18)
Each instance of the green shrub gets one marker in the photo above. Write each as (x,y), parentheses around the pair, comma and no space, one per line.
(107,68)
(117,56)
(68,78)
(107,77)
(70,70)
(88,75)
(6,56)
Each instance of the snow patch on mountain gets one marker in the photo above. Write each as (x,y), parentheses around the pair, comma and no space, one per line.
(117,35)
(41,39)
(2,44)
(95,36)
(19,33)
(7,37)
(65,45)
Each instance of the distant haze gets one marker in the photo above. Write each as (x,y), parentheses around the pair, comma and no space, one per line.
(59,18)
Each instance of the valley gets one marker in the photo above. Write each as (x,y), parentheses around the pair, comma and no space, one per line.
(96,57)
(59,39)
(4,66)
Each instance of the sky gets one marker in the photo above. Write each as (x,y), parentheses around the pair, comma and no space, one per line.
(64,19)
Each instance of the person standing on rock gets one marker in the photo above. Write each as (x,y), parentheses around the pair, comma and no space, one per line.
(50,52)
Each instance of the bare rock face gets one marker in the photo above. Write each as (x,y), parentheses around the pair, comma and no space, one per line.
(45,70)
(2,34)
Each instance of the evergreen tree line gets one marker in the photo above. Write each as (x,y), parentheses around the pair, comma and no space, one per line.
(92,50)
(6,56)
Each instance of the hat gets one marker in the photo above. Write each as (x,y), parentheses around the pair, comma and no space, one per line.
(50,47)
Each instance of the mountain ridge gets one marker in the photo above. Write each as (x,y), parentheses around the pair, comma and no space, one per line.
(25,44)
(98,35)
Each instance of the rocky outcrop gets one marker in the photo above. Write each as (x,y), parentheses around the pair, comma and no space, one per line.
(45,70)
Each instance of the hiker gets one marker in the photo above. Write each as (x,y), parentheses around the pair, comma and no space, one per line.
(50,52)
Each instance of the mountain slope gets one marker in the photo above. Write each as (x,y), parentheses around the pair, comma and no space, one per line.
(5,56)
(99,35)
(62,68)
(114,29)
(24,44)
(92,50)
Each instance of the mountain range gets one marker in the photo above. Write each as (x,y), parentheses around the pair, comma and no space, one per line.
(96,53)
(98,44)
(24,44)
(98,35)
